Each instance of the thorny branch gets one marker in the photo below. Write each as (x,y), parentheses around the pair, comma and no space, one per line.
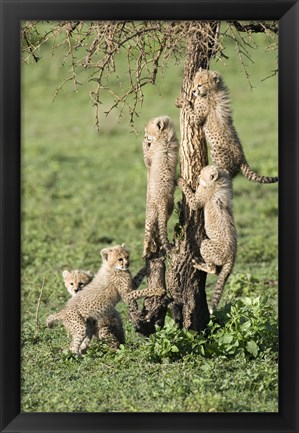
(149,46)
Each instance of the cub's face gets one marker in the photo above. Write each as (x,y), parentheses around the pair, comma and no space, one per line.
(151,134)
(74,281)
(117,257)
(205,82)
(156,129)
(208,176)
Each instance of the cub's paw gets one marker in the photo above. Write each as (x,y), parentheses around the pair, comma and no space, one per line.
(160,291)
(179,102)
(181,183)
(196,265)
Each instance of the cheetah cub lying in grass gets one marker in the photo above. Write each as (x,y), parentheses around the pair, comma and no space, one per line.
(160,151)
(211,107)
(112,283)
(214,194)
(109,328)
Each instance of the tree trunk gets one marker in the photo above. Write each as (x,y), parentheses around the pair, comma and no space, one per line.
(186,284)
(154,308)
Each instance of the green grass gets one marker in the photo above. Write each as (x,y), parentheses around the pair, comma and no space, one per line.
(83,191)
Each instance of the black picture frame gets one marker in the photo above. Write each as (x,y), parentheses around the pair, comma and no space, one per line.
(12,12)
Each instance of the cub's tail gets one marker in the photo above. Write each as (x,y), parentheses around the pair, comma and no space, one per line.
(222,279)
(254,176)
(52,319)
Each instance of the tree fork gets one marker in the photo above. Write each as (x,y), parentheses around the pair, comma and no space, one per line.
(154,308)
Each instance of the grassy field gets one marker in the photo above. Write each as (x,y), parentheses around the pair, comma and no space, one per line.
(82,191)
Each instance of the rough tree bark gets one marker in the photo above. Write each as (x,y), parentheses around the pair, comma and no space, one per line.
(154,309)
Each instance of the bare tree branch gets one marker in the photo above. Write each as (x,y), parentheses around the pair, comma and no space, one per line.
(256,27)
(149,47)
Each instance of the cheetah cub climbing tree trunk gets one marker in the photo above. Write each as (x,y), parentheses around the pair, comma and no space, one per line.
(160,151)
(210,106)
(214,194)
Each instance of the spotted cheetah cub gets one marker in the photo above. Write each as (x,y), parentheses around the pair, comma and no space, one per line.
(211,107)
(214,194)
(112,283)
(160,151)
(109,328)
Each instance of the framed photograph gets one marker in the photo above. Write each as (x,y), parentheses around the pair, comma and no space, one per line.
(87,91)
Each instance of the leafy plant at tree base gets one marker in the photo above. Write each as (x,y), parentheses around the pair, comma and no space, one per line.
(247,326)
(250,325)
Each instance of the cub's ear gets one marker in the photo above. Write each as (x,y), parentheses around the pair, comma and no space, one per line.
(89,274)
(214,174)
(105,254)
(65,273)
(162,122)
(125,247)
(216,76)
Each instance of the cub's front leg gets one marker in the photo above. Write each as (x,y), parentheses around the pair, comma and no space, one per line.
(189,194)
(187,106)
(148,292)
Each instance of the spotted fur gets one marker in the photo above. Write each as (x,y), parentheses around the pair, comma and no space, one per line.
(211,107)
(112,283)
(214,194)
(109,328)
(160,150)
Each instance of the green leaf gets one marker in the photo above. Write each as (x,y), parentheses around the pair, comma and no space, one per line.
(252,348)
(245,326)
(227,338)
(247,301)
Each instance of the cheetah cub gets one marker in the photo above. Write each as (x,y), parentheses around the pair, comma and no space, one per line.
(112,283)
(214,194)
(160,151)
(109,328)
(211,107)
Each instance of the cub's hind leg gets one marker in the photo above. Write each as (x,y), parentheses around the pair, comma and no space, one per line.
(117,327)
(149,230)
(212,256)
(164,212)
(106,334)
(90,330)
(77,328)
(110,330)
(208,268)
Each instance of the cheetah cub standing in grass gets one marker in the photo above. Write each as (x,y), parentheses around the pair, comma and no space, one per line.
(214,194)
(211,107)
(109,328)
(112,283)
(160,151)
